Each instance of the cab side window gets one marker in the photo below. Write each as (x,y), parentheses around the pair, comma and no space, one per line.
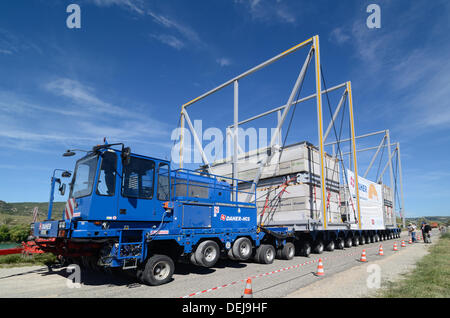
(138,178)
(163,182)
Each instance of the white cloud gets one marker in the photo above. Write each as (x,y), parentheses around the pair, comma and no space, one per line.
(223,61)
(339,36)
(169,40)
(136,6)
(268,10)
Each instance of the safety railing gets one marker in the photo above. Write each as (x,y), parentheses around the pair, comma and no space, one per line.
(206,187)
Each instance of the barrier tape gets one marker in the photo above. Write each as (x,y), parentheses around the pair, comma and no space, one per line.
(272,272)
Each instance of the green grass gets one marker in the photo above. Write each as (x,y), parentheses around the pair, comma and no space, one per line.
(430,278)
(15,260)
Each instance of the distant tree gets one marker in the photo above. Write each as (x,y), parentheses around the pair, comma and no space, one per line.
(4,233)
(19,233)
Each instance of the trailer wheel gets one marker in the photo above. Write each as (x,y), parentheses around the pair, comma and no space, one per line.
(330,246)
(305,249)
(340,244)
(376,238)
(355,241)
(362,240)
(207,253)
(318,247)
(242,249)
(158,270)
(193,260)
(230,255)
(266,254)
(288,251)
(348,242)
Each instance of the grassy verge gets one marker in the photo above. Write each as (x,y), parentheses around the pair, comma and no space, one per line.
(15,260)
(431,277)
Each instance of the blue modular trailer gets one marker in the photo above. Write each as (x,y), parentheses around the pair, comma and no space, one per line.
(133,212)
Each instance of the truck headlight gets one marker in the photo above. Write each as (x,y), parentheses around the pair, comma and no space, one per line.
(62,225)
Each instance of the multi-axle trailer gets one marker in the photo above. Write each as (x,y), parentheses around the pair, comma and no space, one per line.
(136,213)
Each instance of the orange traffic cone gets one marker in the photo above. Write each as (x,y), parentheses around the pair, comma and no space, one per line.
(320,271)
(363,256)
(395,246)
(380,252)
(403,244)
(410,241)
(248,293)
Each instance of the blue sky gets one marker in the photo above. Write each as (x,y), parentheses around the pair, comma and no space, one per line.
(126,72)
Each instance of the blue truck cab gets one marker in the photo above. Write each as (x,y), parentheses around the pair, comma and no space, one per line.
(133,212)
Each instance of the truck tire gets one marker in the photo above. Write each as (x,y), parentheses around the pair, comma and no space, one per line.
(207,253)
(288,251)
(230,255)
(158,270)
(376,238)
(340,244)
(305,249)
(362,240)
(348,242)
(330,246)
(318,247)
(266,254)
(355,241)
(193,260)
(242,249)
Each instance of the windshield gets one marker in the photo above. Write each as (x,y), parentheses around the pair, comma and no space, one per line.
(84,177)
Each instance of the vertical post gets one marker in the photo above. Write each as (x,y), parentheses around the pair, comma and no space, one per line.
(279,121)
(320,127)
(400,176)
(391,171)
(355,165)
(235,138)
(181,137)
(50,202)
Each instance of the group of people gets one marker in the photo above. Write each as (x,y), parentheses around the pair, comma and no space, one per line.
(426,232)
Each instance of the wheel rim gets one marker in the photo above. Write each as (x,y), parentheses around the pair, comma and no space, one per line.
(161,270)
(291,252)
(244,248)
(210,254)
(269,254)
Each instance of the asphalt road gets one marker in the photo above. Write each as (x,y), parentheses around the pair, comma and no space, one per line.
(227,279)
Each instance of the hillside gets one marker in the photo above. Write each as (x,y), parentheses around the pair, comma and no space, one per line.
(22,212)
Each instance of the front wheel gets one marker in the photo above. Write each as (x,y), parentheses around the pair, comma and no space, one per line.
(158,270)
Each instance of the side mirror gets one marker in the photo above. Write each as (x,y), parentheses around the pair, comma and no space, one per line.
(62,189)
(66,174)
(68,153)
(126,155)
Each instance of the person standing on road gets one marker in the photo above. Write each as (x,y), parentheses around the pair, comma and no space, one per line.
(426,229)
(412,232)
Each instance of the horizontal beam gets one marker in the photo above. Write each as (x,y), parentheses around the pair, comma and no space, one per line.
(361,136)
(304,99)
(371,148)
(250,71)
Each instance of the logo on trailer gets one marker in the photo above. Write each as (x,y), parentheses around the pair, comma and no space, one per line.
(223,217)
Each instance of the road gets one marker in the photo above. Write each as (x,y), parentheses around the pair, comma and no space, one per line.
(226,280)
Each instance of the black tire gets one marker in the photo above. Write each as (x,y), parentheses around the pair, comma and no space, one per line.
(242,249)
(340,244)
(158,270)
(348,242)
(362,240)
(305,249)
(376,238)
(193,260)
(355,241)
(288,251)
(266,254)
(330,246)
(207,253)
(318,247)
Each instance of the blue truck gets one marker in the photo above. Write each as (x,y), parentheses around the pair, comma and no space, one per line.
(133,212)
